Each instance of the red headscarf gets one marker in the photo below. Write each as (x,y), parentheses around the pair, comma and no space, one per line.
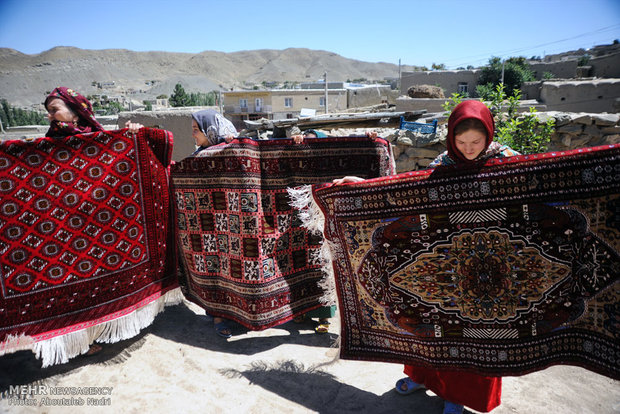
(82,108)
(465,110)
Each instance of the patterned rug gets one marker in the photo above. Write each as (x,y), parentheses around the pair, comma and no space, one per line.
(501,269)
(84,238)
(243,251)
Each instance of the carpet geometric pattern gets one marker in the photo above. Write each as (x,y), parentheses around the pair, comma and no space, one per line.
(84,230)
(500,269)
(243,251)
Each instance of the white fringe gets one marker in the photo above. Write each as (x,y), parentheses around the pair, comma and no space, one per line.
(60,349)
(312,218)
(309,212)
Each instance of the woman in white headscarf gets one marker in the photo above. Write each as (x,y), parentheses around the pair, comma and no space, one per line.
(209,127)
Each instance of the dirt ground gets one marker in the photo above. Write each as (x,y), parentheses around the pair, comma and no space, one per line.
(179,365)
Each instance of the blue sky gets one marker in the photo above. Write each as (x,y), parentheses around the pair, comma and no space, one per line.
(453,32)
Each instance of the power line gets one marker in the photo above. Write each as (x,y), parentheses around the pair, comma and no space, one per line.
(483,57)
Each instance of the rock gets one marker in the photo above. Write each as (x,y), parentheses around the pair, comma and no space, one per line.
(425,91)
(585,119)
(404,163)
(581,141)
(612,139)
(426,140)
(423,162)
(397,150)
(593,131)
(543,117)
(606,119)
(404,141)
(570,129)
(561,118)
(421,153)
(566,140)
(610,130)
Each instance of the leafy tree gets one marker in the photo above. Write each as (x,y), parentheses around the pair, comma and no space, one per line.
(451,102)
(12,116)
(583,61)
(548,75)
(438,66)
(148,106)
(179,97)
(516,71)
(162,96)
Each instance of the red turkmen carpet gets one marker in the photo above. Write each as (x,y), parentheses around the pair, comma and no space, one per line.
(501,269)
(84,240)
(243,252)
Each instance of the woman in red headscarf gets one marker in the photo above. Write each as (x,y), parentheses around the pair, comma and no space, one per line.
(470,140)
(70,113)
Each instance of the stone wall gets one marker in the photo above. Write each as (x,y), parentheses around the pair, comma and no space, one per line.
(177,121)
(414,151)
(449,80)
(601,67)
(591,95)
(361,97)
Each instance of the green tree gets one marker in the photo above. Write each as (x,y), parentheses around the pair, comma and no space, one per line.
(12,116)
(147,105)
(453,100)
(179,97)
(438,66)
(516,71)
(521,132)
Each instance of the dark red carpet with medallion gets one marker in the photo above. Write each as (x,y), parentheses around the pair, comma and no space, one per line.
(501,269)
(86,252)
(244,254)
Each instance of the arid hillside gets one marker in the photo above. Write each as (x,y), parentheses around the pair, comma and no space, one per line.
(24,79)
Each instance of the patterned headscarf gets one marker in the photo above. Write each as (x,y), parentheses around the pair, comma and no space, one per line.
(214,125)
(461,112)
(80,106)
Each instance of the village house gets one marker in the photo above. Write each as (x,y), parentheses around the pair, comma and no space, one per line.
(310,98)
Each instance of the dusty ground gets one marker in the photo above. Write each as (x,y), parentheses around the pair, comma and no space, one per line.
(179,365)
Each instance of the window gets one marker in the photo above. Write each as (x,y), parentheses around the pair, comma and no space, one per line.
(258,103)
(243,103)
(462,88)
(321,101)
(288,102)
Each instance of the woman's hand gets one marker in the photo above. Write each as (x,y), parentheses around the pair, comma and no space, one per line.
(297,139)
(133,127)
(229,138)
(347,179)
(371,134)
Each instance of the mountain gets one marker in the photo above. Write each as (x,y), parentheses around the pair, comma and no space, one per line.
(25,79)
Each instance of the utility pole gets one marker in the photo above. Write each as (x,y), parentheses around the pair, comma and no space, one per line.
(503,62)
(399,75)
(325,80)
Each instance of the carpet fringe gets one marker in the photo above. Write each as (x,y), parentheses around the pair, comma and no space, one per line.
(60,349)
(313,220)
(309,212)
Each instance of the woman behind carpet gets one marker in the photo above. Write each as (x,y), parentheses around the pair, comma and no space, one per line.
(70,113)
(209,128)
(470,140)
